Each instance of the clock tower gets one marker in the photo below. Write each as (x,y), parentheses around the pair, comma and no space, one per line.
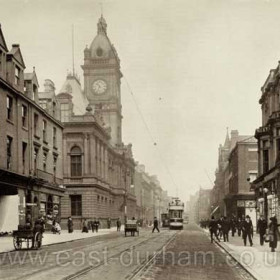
(102,81)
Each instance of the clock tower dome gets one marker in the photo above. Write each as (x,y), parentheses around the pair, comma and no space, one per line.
(102,80)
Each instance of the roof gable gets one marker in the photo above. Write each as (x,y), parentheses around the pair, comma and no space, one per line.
(2,40)
(15,51)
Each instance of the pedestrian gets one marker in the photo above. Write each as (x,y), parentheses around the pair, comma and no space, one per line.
(233,226)
(274,234)
(92,225)
(84,226)
(247,227)
(239,226)
(96,224)
(70,225)
(220,227)
(225,229)
(155,224)
(213,227)
(261,228)
(39,226)
(119,224)
(109,223)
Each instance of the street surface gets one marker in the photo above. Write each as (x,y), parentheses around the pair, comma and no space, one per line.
(186,254)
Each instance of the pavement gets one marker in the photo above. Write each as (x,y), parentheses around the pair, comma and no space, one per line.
(6,242)
(257,260)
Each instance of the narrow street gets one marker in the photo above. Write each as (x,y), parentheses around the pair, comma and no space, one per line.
(186,254)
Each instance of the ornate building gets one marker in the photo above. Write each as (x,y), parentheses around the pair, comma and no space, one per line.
(30,145)
(267,188)
(98,167)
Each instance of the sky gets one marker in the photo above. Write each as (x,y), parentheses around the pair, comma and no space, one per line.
(194,67)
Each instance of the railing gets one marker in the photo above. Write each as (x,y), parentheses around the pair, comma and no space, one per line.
(263,130)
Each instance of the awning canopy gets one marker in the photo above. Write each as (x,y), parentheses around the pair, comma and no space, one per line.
(212,213)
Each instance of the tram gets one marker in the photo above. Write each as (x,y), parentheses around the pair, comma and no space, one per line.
(175,213)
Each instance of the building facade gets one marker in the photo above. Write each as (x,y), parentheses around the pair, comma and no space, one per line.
(266,186)
(232,195)
(98,167)
(30,146)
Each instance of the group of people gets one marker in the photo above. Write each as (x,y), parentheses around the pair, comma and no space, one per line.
(244,227)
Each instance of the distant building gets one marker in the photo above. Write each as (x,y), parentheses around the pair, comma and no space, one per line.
(232,194)
(267,184)
(30,146)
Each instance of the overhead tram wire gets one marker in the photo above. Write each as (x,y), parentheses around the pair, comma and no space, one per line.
(140,113)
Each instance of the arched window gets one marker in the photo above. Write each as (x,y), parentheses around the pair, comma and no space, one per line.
(76,162)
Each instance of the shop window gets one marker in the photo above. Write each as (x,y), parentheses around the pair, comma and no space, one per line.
(76,205)
(76,162)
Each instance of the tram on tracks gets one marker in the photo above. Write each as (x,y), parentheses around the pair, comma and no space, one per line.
(175,213)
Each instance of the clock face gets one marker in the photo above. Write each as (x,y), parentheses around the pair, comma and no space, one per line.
(99,86)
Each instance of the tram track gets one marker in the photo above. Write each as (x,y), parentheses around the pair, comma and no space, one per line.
(52,267)
(132,275)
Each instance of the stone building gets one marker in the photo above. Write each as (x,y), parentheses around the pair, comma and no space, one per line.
(98,167)
(266,186)
(30,145)
(231,194)
(241,169)
(151,199)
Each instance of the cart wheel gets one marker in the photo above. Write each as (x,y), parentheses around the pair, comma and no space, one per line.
(37,240)
(17,243)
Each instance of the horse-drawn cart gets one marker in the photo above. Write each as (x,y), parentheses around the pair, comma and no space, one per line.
(25,236)
(132,227)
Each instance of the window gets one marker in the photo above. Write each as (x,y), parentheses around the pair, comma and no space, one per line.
(36,117)
(45,155)
(252,176)
(64,108)
(17,77)
(24,147)
(54,109)
(76,205)
(54,136)
(34,92)
(265,161)
(24,115)
(54,165)
(36,153)
(44,130)
(76,162)
(9,152)
(9,108)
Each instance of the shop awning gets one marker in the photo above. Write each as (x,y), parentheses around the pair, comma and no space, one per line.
(213,212)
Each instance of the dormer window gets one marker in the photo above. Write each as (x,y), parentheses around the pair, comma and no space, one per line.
(17,77)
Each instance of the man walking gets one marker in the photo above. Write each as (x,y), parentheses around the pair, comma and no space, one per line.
(155,224)
(261,228)
(225,229)
(247,230)
(213,227)
(119,224)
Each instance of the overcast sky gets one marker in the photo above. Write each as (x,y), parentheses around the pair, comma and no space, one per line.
(195,67)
